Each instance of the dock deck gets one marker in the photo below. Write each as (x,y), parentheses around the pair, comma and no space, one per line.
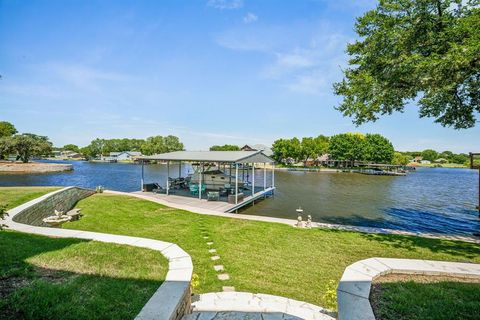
(186,201)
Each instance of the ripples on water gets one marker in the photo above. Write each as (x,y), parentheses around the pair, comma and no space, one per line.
(428,200)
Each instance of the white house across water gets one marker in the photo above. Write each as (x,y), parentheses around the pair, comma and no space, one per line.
(218,181)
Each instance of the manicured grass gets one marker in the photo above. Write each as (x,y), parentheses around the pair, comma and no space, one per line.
(422,301)
(15,196)
(260,257)
(55,278)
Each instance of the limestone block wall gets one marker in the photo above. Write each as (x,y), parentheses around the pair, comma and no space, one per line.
(61,200)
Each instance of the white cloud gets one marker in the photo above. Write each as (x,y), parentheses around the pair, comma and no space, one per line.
(250,18)
(225,4)
(307,61)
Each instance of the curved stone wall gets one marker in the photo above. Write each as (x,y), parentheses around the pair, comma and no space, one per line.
(60,200)
(353,291)
(172,299)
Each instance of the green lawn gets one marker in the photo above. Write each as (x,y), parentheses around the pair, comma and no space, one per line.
(54,278)
(260,257)
(409,300)
(15,196)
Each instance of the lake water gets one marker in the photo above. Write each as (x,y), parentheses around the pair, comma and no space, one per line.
(428,200)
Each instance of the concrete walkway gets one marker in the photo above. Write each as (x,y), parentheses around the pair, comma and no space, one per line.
(291,222)
(244,305)
(233,315)
(354,288)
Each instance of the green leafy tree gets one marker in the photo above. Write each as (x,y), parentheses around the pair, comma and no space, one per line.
(415,50)
(348,146)
(378,149)
(225,147)
(321,144)
(5,147)
(459,158)
(429,154)
(172,143)
(29,145)
(71,147)
(153,145)
(308,148)
(280,150)
(294,149)
(7,129)
(400,159)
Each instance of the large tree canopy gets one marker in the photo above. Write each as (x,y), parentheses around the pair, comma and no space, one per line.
(423,51)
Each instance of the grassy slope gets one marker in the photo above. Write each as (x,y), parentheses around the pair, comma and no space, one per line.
(15,196)
(260,257)
(72,278)
(422,301)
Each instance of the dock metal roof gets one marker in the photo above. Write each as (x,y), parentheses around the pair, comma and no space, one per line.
(212,156)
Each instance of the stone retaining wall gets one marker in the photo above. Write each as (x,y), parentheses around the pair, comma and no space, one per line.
(61,200)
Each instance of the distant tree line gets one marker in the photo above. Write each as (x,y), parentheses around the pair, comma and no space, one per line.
(344,146)
(431,155)
(149,146)
(27,145)
(225,147)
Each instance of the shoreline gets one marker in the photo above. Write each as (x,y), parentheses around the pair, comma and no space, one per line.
(33,167)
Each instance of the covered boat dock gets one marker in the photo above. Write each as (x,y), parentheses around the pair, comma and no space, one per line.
(238,178)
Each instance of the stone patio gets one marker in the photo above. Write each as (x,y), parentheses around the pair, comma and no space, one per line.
(244,305)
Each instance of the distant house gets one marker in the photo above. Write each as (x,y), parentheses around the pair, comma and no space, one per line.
(258,147)
(441,160)
(70,154)
(122,156)
(318,161)
(128,155)
(418,159)
(425,162)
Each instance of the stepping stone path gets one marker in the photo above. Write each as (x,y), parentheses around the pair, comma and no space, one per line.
(217,268)
(223,276)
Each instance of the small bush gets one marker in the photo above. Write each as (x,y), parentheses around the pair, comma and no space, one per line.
(99,189)
(195,281)
(330,296)
(3,213)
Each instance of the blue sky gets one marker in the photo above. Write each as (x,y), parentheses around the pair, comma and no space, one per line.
(209,71)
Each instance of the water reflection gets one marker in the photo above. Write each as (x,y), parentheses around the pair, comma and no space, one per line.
(429,200)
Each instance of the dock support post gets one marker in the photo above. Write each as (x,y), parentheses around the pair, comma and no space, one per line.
(168,175)
(253,179)
(143,177)
(273,175)
(264,176)
(200,174)
(236,183)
